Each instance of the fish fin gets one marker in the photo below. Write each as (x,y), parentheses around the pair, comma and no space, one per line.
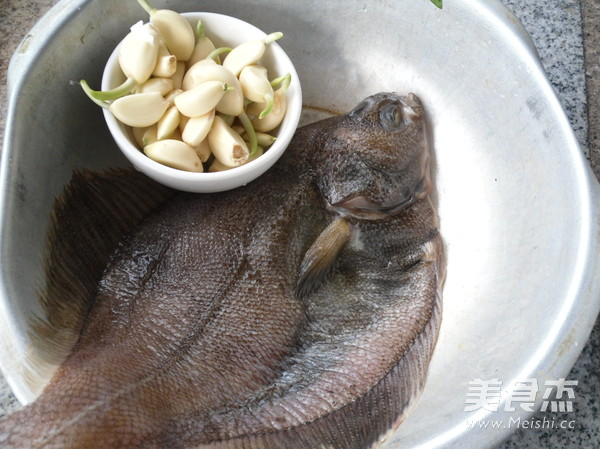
(95,211)
(319,260)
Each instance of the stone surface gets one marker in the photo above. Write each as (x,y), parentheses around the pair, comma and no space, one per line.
(567,36)
(591,35)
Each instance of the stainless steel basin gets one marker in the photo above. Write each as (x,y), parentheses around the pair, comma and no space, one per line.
(517,201)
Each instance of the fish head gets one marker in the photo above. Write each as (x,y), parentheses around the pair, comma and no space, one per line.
(374,162)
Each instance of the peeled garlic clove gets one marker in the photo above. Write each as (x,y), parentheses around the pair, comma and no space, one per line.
(256,87)
(229,119)
(168,123)
(216,166)
(144,136)
(176,31)
(203,150)
(166,63)
(170,97)
(232,102)
(196,129)
(273,119)
(176,135)
(183,119)
(238,129)
(174,153)
(265,140)
(201,99)
(227,145)
(203,48)
(243,55)
(138,52)
(255,83)
(248,53)
(259,152)
(196,73)
(177,77)
(150,135)
(138,135)
(204,45)
(139,109)
(275,116)
(160,85)
(166,66)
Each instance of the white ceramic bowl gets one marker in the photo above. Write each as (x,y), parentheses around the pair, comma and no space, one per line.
(223,31)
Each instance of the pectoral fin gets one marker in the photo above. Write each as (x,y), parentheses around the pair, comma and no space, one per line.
(319,259)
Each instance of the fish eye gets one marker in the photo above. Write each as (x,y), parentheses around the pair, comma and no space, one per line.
(390,117)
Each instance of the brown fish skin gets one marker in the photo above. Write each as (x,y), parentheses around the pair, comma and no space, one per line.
(196,337)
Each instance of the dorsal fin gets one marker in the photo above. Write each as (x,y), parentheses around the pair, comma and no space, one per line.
(319,259)
(93,214)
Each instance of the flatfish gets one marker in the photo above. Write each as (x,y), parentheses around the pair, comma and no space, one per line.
(299,311)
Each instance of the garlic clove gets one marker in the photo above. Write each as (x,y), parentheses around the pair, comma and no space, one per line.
(238,129)
(168,123)
(216,166)
(243,55)
(196,128)
(227,145)
(149,136)
(203,150)
(229,119)
(165,67)
(139,109)
(203,48)
(160,85)
(177,77)
(183,119)
(232,102)
(175,154)
(176,31)
(259,152)
(177,134)
(273,119)
(255,83)
(257,87)
(248,53)
(138,52)
(170,97)
(201,99)
(196,74)
(138,135)
(265,140)
(166,63)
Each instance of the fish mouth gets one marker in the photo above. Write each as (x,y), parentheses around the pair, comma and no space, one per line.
(361,207)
